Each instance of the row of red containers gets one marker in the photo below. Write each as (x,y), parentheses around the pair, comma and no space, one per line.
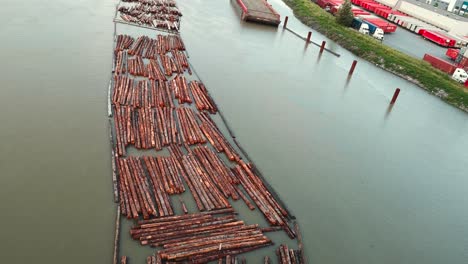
(373,6)
(437,37)
(440,64)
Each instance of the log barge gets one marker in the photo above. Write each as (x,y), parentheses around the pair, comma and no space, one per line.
(258,11)
(158,105)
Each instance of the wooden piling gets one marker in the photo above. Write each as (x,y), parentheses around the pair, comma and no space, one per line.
(285,22)
(322,47)
(395,96)
(351,70)
(308,37)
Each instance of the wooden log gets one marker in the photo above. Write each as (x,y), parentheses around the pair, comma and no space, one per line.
(184,208)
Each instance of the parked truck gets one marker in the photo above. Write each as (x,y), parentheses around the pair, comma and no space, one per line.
(438,38)
(456,72)
(367,28)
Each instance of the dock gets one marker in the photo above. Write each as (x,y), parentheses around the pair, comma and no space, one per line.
(259,11)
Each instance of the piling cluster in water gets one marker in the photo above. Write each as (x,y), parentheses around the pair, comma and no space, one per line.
(162,14)
(158,105)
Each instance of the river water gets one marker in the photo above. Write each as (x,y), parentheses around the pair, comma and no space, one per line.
(368,184)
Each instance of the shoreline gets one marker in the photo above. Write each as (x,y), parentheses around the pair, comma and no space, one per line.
(402,65)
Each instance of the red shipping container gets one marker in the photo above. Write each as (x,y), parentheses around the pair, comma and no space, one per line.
(440,64)
(386,26)
(359,2)
(452,53)
(438,38)
(372,6)
(359,12)
(383,11)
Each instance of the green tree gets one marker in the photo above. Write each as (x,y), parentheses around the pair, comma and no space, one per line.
(345,14)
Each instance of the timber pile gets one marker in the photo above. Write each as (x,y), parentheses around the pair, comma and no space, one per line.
(145,128)
(164,53)
(202,99)
(216,138)
(200,237)
(168,172)
(190,130)
(288,256)
(180,89)
(154,13)
(218,172)
(137,195)
(121,62)
(202,187)
(258,192)
(123,42)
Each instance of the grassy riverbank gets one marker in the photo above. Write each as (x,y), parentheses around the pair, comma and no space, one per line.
(412,69)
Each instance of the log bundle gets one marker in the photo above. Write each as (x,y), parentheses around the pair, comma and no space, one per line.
(259,193)
(145,128)
(216,138)
(288,256)
(137,193)
(204,191)
(202,99)
(123,42)
(199,238)
(189,127)
(154,13)
(135,196)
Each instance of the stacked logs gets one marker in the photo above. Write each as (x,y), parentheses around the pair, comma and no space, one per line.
(123,42)
(202,100)
(168,65)
(145,128)
(288,256)
(258,192)
(136,66)
(168,43)
(181,61)
(216,138)
(203,189)
(180,89)
(139,46)
(143,94)
(151,50)
(189,128)
(169,171)
(157,14)
(219,173)
(121,62)
(154,71)
(135,196)
(159,179)
(176,64)
(199,238)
